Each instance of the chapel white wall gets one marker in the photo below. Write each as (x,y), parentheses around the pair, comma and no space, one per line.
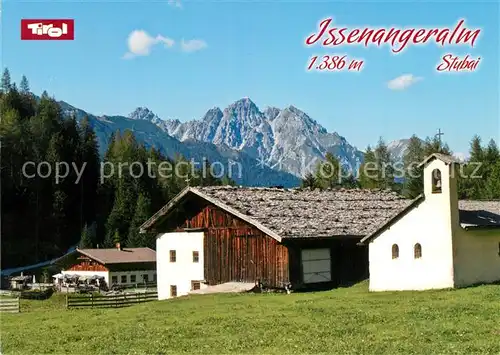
(184,270)
(430,225)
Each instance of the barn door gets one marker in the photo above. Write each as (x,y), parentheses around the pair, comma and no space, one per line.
(316,265)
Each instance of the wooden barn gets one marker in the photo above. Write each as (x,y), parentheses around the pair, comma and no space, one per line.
(279,237)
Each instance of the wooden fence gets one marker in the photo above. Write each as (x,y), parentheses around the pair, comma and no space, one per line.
(109,301)
(9,305)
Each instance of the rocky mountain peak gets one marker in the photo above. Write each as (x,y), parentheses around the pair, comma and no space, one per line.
(243,106)
(271,113)
(307,122)
(143,113)
(214,114)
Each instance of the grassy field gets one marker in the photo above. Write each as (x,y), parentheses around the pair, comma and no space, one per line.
(342,321)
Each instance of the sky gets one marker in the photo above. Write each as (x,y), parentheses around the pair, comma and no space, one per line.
(181,58)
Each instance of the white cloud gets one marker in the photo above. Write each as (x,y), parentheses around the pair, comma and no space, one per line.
(403,82)
(140,43)
(193,45)
(175,3)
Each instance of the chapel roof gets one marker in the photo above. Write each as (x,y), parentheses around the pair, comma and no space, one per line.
(446,158)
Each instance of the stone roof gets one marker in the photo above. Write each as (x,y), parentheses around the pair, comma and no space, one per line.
(479,213)
(448,159)
(302,213)
(120,256)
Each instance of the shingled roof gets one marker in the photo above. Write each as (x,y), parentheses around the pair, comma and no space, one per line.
(301,213)
(448,159)
(119,256)
(479,213)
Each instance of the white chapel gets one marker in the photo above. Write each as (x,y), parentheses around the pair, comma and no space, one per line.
(439,241)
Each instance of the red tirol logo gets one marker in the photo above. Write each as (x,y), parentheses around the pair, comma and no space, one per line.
(62,29)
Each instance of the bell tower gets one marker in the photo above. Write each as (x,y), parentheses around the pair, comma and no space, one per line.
(440,184)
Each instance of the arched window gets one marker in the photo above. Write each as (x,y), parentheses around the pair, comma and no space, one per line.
(417,251)
(436,181)
(395,251)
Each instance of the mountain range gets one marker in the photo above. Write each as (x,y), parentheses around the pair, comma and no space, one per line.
(272,146)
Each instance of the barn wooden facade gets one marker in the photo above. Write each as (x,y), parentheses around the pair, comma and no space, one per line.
(274,236)
(235,250)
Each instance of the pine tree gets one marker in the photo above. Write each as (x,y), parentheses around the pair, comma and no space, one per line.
(368,171)
(142,213)
(328,172)
(184,173)
(60,201)
(435,145)
(476,150)
(88,184)
(413,179)
(6,84)
(112,239)
(24,85)
(86,239)
(469,185)
(492,185)
(92,233)
(108,241)
(491,175)
(123,208)
(116,238)
(492,153)
(309,181)
(350,182)
(207,174)
(59,219)
(385,179)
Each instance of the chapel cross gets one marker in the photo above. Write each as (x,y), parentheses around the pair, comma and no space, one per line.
(439,134)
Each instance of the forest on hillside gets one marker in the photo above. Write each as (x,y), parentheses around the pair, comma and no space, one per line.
(478,179)
(42,217)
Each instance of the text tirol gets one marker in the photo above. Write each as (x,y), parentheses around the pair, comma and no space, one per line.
(328,34)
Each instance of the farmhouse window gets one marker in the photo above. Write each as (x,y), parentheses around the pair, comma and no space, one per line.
(417,251)
(124,279)
(114,279)
(132,278)
(173,291)
(173,256)
(195,285)
(196,256)
(436,181)
(395,251)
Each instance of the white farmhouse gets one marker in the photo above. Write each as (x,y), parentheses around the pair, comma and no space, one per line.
(116,266)
(181,267)
(438,241)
